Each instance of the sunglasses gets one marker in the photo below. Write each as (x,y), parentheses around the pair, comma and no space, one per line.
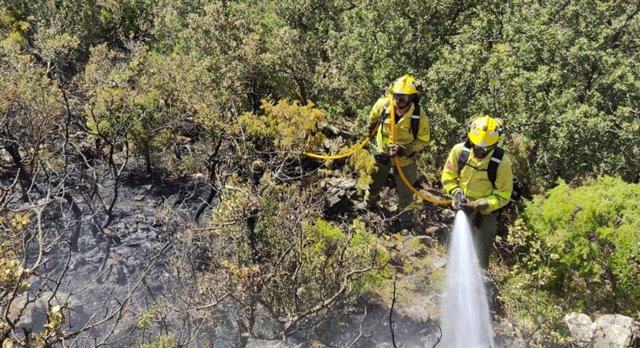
(402,98)
(484,149)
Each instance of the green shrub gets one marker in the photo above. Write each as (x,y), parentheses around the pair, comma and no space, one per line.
(165,341)
(286,123)
(277,250)
(580,247)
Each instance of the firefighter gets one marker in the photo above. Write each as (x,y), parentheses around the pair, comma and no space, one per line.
(412,135)
(477,186)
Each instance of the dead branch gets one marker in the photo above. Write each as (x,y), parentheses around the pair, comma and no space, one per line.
(361,330)
(391,322)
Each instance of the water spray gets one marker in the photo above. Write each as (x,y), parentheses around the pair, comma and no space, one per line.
(465,315)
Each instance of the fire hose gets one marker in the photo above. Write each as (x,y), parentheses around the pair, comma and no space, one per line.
(342,155)
(429,198)
(396,162)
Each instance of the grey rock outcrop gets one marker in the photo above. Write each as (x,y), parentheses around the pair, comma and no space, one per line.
(612,330)
(608,331)
(580,327)
(338,191)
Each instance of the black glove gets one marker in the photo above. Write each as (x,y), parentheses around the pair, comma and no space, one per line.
(400,150)
(458,199)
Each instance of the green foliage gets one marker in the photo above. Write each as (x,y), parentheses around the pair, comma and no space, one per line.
(364,163)
(126,18)
(164,341)
(533,310)
(151,76)
(29,103)
(146,319)
(357,246)
(289,125)
(12,273)
(13,29)
(279,245)
(131,98)
(53,327)
(563,75)
(580,249)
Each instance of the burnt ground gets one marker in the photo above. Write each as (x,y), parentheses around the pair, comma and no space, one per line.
(123,271)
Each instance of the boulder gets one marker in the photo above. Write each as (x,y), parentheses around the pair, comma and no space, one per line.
(612,330)
(507,335)
(337,191)
(32,313)
(580,326)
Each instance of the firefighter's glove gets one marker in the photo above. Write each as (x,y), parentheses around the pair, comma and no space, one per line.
(400,150)
(475,206)
(458,199)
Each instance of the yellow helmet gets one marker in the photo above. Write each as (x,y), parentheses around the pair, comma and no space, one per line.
(485,131)
(404,85)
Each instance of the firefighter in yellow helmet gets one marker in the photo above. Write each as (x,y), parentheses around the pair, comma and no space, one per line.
(412,134)
(478,187)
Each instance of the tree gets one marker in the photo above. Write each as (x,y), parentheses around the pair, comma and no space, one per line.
(577,251)
(557,72)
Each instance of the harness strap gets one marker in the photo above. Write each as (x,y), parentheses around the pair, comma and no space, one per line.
(415,118)
(492,169)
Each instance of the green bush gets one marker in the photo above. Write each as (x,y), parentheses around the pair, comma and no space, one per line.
(277,251)
(580,247)
(165,341)
(286,124)
(576,249)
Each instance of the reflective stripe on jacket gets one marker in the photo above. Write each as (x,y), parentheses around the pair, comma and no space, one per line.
(474,180)
(403,129)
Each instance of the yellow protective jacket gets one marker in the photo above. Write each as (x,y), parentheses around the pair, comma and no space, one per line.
(474,179)
(403,129)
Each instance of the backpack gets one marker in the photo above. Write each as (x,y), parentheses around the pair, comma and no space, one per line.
(415,117)
(492,169)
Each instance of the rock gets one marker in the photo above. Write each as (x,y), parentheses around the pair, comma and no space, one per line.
(448,214)
(437,261)
(425,241)
(329,130)
(612,330)
(580,327)
(267,328)
(432,230)
(511,342)
(33,314)
(333,199)
(338,191)
(507,334)
(418,312)
(385,345)
(341,183)
(77,263)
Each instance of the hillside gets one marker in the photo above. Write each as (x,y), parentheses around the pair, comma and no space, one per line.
(156,187)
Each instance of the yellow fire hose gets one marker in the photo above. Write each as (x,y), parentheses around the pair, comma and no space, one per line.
(396,161)
(346,154)
(428,198)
